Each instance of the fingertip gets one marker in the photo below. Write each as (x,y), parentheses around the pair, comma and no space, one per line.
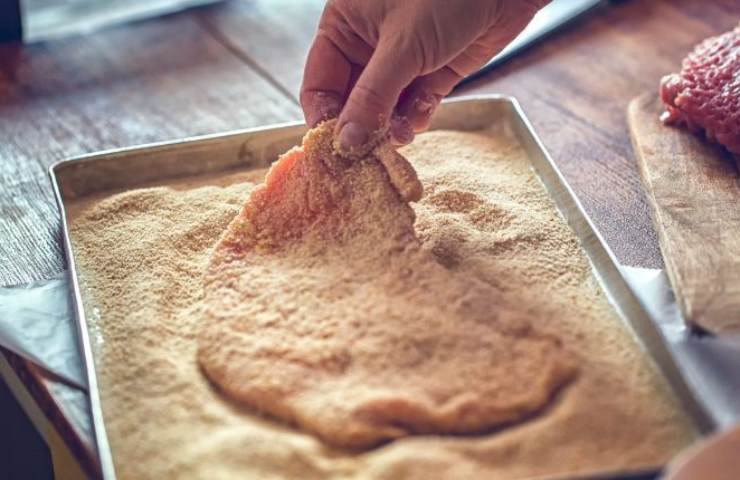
(369,107)
(319,106)
(421,108)
(373,97)
(424,96)
(325,80)
(352,136)
(401,131)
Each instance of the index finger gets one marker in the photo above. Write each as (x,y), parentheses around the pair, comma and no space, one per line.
(326,79)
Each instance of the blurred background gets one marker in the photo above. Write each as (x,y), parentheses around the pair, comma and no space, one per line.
(36,20)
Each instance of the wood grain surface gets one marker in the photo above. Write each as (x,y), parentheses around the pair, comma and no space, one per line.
(239,63)
(694,190)
(144,82)
(261,30)
(575,87)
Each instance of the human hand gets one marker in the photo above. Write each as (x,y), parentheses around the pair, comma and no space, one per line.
(392,61)
(713,458)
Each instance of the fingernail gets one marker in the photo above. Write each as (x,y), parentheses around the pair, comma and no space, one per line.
(352,136)
(401,131)
(323,107)
(425,104)
(328,106)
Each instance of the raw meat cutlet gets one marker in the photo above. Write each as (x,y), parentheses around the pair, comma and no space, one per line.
(321,309)
(705,95)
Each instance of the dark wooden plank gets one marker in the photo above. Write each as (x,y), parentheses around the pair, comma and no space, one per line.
(67,408)
(575,88)
(145,82)
(25,454)
(11,28)
(694,190)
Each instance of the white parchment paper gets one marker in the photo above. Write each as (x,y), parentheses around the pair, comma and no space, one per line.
(709,364)
(37,322)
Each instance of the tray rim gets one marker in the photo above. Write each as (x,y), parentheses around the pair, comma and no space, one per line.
(104,458)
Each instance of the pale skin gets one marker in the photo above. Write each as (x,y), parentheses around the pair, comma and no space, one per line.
(388,63)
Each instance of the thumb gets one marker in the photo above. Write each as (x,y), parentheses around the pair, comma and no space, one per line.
(375,94)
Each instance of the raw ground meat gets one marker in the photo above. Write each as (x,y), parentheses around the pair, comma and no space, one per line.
(705,95)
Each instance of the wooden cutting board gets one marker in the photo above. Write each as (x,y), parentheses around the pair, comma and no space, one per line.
(694,190)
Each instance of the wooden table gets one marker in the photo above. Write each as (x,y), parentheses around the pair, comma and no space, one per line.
(238,64)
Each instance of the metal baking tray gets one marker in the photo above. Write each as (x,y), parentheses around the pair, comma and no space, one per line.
(258,147)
